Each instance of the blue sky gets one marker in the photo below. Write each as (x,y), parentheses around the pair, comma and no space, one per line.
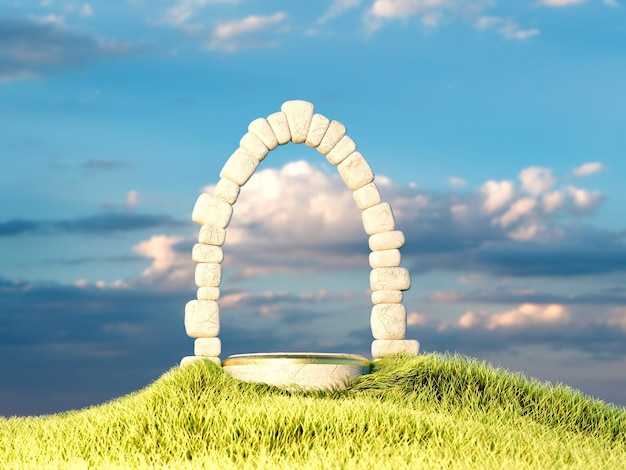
(495,130)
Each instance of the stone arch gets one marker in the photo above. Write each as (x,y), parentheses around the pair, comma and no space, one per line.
(296,122)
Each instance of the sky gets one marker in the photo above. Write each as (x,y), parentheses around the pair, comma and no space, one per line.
(494,129)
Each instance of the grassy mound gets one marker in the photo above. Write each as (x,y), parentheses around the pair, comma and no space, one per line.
(431,410)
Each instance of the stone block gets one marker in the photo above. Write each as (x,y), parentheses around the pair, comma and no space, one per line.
(209,293)
(227,190)
(210,210)
(386,240)
(264,131)
(397,278)
(388,321)
(319,126)
(344,148)
(210,235)
(208,274)
(299,116)
(191,359)
(239,167)
(335,132)
(355,171)
(386,297)
(207,347)
(386,347)
(202,318)
(378,218)
(253,145)
(367,196)
(202,253)
(385,258)
(280,126)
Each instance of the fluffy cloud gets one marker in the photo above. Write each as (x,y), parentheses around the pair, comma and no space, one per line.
(232,35)
(497,195)
(506,27)
(40,45)
(584,201)
(536,180)
(338,7)
(560,3)
(170,268)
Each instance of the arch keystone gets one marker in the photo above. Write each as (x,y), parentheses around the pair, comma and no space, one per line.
(299,115)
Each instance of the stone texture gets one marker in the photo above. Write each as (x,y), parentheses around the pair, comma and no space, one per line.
(355,171)
(210,235)
(191,359)
(253,145)
(209,293)
(202,253)
(386,240)
(227,190)
(390,279)
(264,131)
(387,347)
(280,126)
(335,132)
(386,297)
(202,318)
(367,196)
(211,211)
(344,148)
(208,274)
(378,218)
(239,167)
(299,115)
(385,258)
(208,347)
(388,321)
(319,126)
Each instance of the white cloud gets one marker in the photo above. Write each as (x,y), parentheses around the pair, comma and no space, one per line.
(524,233)
(588,169)
(497,194)
(469,320)
(430,12)
(519,209)
(182,11)
(132,198)
(226,36)
(170,269)
(530,314)
(337,8)
(618,318)
(536,180)
(585,201)
(457,182)
(560,3)
(86,10)
(506,27)
(553,201)
(416,319)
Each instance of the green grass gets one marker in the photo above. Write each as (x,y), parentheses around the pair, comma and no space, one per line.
(430,411)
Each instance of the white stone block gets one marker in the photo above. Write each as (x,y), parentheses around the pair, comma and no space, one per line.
(210,235)
(367,196)
(397,278)
(202,253)
(208,274)
(378,218)
(344,148)
(280,126)
(209,293)
(239,167)
(387,347)
(191,359)
(385,258)
(335,132)
(227,190)
(264,131)
(253,145)
(388,321)
(299,116)
(202,318)
(386,297)
(207,347)
(386,240)
(355,171)
(319,126)
(210,210)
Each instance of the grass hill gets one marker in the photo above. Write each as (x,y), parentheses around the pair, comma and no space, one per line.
(430,411)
